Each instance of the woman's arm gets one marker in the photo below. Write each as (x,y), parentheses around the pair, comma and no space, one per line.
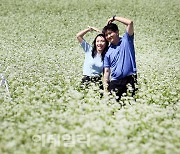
(81,34)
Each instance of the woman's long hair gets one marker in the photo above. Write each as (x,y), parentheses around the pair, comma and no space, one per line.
(94,51)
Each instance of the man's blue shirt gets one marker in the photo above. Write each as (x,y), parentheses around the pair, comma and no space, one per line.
(121,58)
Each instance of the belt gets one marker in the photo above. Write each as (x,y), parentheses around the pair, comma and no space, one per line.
(93,78)
(134,76)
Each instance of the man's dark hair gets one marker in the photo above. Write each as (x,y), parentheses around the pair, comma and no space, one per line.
(110,26)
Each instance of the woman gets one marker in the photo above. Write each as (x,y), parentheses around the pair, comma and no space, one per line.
(94,55)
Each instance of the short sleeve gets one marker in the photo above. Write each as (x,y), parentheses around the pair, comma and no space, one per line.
(86,46)
(128,37)
(106,61)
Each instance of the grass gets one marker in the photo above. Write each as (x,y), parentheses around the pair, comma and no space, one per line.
(49,114)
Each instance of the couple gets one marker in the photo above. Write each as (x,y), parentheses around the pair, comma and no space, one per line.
(111,54)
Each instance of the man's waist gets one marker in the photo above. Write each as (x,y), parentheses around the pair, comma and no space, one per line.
(134,75)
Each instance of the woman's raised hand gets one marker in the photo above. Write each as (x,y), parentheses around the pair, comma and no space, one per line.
(93,29)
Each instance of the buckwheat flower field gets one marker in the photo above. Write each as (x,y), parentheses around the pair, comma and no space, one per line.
(43,110)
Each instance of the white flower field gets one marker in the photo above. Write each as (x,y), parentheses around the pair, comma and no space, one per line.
(42,108)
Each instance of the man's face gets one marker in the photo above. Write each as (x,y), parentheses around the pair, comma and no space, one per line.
(112,37)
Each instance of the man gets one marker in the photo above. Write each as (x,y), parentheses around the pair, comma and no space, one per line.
(119,61)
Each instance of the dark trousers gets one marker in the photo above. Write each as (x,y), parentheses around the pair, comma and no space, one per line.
(86,80)
(120,86)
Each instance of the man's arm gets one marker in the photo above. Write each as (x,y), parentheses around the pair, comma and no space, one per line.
(127,22)
(106,77)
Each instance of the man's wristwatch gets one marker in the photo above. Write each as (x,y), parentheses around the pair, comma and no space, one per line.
(114,17)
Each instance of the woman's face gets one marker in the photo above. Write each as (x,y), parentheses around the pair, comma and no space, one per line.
(100,44)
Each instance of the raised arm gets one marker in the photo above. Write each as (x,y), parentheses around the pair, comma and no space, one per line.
(81,34)
(127,22)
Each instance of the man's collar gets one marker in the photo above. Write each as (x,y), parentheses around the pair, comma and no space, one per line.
(113,46)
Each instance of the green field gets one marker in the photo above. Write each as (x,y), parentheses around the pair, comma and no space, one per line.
(42,62)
